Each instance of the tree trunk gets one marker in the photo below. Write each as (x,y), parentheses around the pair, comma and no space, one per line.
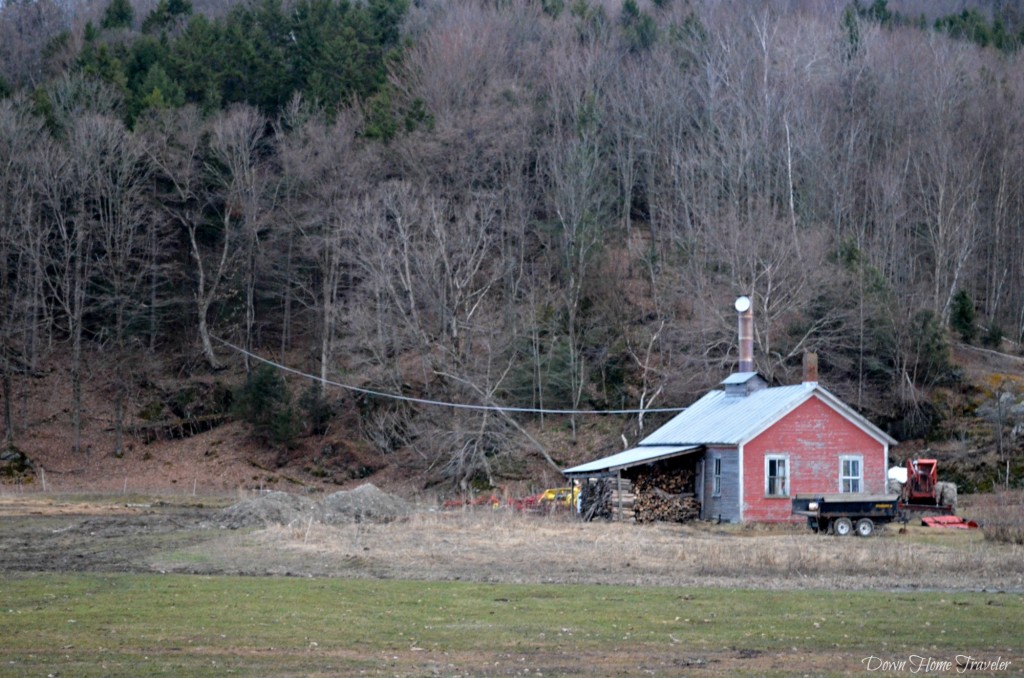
(8,412)
(202,308)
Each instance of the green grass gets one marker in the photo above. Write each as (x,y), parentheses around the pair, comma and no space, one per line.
(148,625)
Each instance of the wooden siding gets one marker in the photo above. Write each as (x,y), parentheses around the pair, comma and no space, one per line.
(813,437)
(725,507)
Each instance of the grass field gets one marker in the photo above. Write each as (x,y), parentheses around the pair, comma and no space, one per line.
(148,625)
(93,586)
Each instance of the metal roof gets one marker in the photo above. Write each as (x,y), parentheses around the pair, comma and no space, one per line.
(719,418)
(621,460)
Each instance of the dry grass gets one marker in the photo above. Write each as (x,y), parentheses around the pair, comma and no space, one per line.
(1001,516)
(514,548)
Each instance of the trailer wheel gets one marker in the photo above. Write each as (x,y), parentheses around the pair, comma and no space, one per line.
(865,527)
(843,527)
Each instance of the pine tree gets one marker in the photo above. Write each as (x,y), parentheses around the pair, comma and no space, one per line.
(264,402)
(119,14)
(962,317)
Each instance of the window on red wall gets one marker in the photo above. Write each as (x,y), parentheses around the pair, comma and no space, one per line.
(776,476)
(851,473)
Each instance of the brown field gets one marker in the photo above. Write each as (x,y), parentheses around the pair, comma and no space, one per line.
(186,535)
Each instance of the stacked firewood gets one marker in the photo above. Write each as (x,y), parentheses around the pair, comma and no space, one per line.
(665,495)
(596,500)
(603,499)
(622,499)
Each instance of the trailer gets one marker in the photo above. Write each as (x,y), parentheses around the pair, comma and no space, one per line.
(844,514)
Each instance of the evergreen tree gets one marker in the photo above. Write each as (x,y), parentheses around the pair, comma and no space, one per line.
(962,317)
(119,14)
(930,350)
(264,402)
(851,24)
(165,14)
(197,62)
(156,92)
(638,27)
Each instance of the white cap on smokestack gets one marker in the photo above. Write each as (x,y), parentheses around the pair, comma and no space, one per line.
(746,333)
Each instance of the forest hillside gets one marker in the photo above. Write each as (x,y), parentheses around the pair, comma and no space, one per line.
(249,225)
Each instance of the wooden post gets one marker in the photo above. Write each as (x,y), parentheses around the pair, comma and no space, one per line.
(618,488)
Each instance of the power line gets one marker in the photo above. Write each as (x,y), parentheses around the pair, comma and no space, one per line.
(435,403)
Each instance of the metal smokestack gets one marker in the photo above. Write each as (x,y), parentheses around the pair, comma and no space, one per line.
(745,309)
(810,368)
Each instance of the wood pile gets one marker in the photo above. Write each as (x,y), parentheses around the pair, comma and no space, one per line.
(665,495)
(602,499)
(595,500)
(624,499)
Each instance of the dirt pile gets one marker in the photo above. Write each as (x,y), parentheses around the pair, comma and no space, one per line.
(273,508)
(366,503)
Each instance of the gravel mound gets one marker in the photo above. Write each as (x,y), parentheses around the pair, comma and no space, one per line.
(273,508)
(366,503)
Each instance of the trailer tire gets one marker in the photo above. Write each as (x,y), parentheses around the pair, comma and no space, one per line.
(843,527)
(865,527)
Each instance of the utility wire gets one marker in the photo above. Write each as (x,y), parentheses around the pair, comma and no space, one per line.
(437,403)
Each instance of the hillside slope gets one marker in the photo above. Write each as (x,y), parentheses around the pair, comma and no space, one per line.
(228,458)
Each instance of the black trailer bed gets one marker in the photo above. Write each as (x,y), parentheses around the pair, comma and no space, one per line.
(842,514)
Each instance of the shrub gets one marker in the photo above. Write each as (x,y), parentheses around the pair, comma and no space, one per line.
(318,410)
(994,336)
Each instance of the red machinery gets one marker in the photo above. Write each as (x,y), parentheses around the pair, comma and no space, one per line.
(922,476)
(923,491)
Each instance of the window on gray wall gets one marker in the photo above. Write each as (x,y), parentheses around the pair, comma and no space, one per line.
(716,477)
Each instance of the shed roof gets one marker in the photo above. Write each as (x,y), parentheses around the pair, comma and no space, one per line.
(621,460)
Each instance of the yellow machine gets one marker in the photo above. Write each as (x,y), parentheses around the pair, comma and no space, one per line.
(565,496)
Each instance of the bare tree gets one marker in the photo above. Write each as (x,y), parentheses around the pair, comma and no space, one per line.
(122,260)
(27,32)
(325,167)
(577,194)
(70,240)
(20,135)
(178,156)
(946,173)
(68,167)
(246,192)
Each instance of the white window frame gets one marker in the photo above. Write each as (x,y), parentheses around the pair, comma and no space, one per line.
(768,458)
(716,476)
(844,477)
